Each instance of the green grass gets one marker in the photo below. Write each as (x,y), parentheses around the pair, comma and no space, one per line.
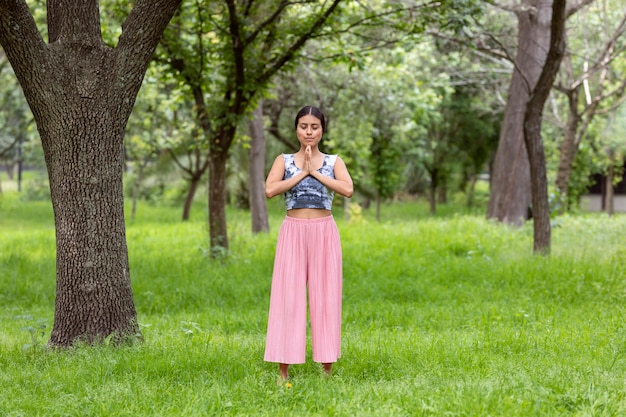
(443,316)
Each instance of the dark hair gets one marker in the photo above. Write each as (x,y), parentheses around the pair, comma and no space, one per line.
(313,111)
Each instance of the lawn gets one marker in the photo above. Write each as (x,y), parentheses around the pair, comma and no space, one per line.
(450,315)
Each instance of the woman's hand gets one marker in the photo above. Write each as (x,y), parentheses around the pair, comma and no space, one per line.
(307,160)
(342,183)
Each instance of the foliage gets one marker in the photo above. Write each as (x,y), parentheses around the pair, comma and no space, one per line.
(595,69)
(16,130)
(442,316)
(378,66)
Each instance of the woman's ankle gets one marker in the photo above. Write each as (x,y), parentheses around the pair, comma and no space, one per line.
(328,368)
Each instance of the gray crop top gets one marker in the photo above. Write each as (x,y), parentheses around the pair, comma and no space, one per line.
(309,193)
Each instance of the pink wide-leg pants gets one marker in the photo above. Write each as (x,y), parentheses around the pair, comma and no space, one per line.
(308,253)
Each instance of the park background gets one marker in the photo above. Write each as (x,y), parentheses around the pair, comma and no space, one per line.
(449,309)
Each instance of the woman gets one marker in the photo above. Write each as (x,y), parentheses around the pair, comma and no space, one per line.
(308,253)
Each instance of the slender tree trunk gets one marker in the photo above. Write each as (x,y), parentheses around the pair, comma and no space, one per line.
(510,193)
(194,182)
(258,203)
(610,190)
(433,191)
(568,149)
(610,193)
(136,185)
(20,169)
(532,130)
(471,191)
(217,203)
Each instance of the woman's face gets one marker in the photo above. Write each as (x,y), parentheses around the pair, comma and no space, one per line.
(309,130)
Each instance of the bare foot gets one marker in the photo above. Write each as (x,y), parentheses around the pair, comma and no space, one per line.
(284,371)
(328,367)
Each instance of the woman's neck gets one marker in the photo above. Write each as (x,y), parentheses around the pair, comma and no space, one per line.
(314,151)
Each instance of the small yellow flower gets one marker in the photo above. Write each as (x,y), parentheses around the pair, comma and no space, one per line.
(288,385)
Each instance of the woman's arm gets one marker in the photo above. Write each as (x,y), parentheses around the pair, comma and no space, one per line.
(275,184)
(342,183)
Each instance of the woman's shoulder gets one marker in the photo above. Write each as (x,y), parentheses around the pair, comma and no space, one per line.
(284,156)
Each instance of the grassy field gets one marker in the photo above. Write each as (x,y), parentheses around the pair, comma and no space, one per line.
(443,316)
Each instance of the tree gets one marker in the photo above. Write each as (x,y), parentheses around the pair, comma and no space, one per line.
(532,130)
(510,193)
(81,93)
(474,126)
(251,42)
(613,142)
(383,161)
(585,98)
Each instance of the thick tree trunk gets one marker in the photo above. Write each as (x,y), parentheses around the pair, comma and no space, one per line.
(258,204)
(94,296)
(532,130)
(81,94)
(510,193)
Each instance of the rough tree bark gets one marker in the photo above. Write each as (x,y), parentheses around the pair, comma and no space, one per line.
(532,130)
(81,93)
(258,204)
(510,193)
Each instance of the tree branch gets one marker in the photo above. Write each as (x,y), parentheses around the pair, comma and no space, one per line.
(238,46)
(141,32)
(8,149)
(576,7)
(608,54)
(274,67)
(22,43)
(279,10)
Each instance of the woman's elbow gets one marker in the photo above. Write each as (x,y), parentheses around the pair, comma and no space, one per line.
(348,191)
(269,193)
